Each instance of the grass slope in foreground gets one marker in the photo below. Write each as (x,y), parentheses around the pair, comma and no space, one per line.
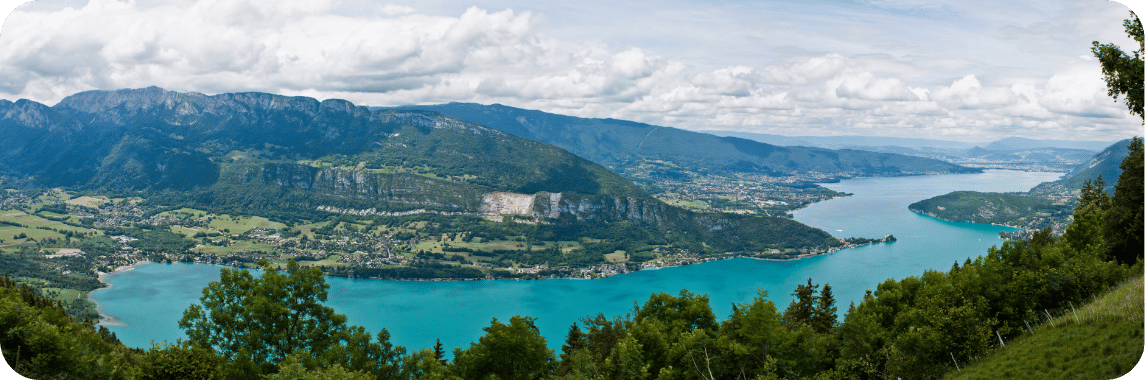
(1087,344)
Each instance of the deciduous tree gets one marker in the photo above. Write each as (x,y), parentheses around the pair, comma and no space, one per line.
(262,320)
(509,351)
(1123,73)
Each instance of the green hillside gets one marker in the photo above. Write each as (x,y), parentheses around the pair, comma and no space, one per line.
(1102,340)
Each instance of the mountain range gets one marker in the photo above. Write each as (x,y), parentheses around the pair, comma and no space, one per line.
(283,156)
(624,145)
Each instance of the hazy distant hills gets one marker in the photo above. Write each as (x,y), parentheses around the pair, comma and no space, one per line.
(623,145)
(1021,143)
(1008,153)
(852,141)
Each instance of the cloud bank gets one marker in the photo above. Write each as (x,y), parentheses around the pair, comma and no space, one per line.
(396,54)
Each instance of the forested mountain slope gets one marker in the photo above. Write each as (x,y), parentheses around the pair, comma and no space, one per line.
(151,139)
(1105,163)
(299,158)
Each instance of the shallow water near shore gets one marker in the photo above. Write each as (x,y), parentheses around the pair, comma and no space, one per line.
(150,300)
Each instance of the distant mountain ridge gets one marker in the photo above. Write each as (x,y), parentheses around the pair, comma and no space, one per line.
(623,145)
(837,142)
(1008,153)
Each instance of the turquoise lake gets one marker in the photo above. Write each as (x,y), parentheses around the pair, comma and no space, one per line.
(149,300)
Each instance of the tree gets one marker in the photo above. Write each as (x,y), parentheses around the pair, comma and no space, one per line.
(573,343)
(261,321)
(513,351)
(1088,218)
(680,314)
(181,360)
(1123,227)
(802,307)
(1123,74)
(439,351)
(292,369)
(824,315)
(1092,197)
(424,365)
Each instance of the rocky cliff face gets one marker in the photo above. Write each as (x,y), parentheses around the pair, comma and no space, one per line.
(388,191)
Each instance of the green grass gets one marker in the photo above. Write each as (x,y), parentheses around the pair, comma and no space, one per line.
(65,293)
(241,224)
(616,257)
(694,205)
(238,246)
(33,221)
(188,232)
(331,261)
(308,229)
(1102,340)
(184,212)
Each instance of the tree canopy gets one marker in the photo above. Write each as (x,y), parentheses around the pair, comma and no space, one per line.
(1123,213)
(1123,73)
(259,322)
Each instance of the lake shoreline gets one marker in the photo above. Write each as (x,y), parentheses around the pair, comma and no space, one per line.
(419,312)
(106,319)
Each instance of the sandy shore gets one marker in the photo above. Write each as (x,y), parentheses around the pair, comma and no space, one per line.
(104,318)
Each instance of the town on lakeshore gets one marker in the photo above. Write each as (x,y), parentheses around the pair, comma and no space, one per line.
(55,223)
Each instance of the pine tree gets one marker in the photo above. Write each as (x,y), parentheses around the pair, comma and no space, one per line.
(802,307)
(439,351)
(824,315)
(1123,227)
(575,341)
(1092,197)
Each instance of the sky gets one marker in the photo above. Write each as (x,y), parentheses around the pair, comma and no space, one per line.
(963,70)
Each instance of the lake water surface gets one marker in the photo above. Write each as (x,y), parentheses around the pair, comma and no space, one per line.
(150,300)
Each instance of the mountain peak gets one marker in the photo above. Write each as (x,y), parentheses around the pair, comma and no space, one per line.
(96,101)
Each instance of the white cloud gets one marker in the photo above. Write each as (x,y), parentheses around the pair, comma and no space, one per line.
(401,55)
(867,86)
(968,93)
(392,9)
